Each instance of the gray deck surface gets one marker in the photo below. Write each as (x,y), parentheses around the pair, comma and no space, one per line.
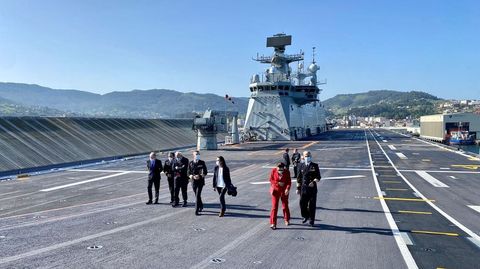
(42,228)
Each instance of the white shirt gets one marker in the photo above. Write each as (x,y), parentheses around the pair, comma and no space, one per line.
(220,181)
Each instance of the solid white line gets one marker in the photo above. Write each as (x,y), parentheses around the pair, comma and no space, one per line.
(401,155)
(435,182)
(475,207)
(83,182)
(407,256)
(392,147)
(450,218)
(444,168)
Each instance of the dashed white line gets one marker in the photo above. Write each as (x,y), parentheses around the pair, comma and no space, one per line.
(392,147)
(83,182)
(453,177)
(435,182)
(475,207)
(401,155)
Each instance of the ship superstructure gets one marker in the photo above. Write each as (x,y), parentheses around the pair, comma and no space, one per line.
(284,104)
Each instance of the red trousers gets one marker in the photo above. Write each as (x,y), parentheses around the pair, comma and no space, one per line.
(276,195)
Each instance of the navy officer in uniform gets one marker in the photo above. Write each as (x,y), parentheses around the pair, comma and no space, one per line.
(154,167)
(308,177)
(197,170)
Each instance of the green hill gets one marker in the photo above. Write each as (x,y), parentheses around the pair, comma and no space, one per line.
(155,103)
(384,103)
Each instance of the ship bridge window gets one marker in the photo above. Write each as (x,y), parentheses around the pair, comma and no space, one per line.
(280,87)
(260,88)
(274,88)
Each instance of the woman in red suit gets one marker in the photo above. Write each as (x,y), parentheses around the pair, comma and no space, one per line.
(280,183)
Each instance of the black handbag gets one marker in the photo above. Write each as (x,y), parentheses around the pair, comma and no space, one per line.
(232,190)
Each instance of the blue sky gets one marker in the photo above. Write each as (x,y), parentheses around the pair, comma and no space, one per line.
(207,46)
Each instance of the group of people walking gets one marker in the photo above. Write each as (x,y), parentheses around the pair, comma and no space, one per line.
(180,172)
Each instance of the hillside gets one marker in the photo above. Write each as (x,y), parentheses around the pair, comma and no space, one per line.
(11,109)
(155,103)
(385,103)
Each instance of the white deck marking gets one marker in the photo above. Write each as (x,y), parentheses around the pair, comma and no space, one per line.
(392,147)
(441,171)
(83,182)
(323,178)
(406,238)
(401,155)
(384,140)
(453,177)
(435,182)
(439,210)
(444,168)
(407,256)
(475,207)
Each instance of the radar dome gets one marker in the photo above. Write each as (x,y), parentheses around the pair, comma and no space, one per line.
(313,68)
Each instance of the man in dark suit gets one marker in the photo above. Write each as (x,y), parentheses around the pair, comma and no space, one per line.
(180,171)
(308,177)
(296,157)
(154,167)
(286,159)
(197,170)
(168,170)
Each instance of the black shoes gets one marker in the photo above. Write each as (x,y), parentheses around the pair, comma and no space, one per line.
(304,220)
(174,204)
(149,202)
(184,204)
(312,223)
(156,202)
(197,213)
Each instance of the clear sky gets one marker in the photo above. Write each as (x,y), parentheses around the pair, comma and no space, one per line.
(207,46)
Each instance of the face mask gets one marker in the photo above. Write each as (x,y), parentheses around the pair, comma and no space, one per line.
(217,163)
(280,171)
(197,157)
(178,158)
(308,159)
(170,158)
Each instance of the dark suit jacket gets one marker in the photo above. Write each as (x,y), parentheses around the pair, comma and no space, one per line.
(296,158)
(154,172)
(286,159)
(226,176)
(168,168)
(198,168)
(180,168)
(306,175)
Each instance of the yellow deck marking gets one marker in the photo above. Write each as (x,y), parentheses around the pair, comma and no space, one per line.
(391,189)
(309,145)
(403,199)
(434,233)
(414,212)
(467,166)
(391,182)
(474,159)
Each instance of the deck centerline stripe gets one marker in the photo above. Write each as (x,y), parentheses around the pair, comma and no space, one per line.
(406,255)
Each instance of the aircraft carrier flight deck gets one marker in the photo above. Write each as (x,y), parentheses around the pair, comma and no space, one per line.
(385,200)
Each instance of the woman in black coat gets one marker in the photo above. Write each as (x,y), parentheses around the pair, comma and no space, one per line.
(221,182)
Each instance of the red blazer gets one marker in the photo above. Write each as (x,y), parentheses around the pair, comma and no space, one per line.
(275,178)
